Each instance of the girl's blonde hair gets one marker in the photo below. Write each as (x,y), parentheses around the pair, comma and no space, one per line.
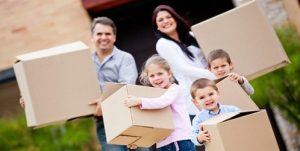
(157,60)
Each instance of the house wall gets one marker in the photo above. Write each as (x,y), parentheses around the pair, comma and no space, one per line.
(32,25)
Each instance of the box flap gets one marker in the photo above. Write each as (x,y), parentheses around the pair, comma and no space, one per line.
(143,91)
(124,140)
(220,118)
(226,116)
(231,93)
(75,46)
(110,88)
(148,135)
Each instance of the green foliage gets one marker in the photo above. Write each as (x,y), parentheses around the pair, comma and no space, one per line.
(72,136)
(281,87)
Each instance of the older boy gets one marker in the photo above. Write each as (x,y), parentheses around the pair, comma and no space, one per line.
(219,63)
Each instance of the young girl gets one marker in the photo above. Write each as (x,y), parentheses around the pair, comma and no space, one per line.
(157,73)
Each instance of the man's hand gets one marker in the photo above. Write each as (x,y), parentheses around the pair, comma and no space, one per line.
(97,102)
(22,102)
(132,146)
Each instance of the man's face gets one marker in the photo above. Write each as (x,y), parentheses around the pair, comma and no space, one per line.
(103,37)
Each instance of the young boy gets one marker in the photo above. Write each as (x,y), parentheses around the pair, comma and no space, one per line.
(219,63)
(205,94)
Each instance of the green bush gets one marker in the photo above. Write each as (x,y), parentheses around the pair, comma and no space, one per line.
(71,136)
(280,88)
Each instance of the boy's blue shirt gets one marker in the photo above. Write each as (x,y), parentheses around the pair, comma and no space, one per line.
(205,115)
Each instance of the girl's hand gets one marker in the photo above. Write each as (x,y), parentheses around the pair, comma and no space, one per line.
(204,136)
(97,102)
(236,77)
(132,101)
(132,146)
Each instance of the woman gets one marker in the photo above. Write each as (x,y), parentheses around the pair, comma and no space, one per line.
(180,49)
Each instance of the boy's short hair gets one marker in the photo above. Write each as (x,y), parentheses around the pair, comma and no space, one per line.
(217,54)
(202,83)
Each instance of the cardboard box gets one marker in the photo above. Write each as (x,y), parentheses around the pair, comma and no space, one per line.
(125,125)
(233,94)
(57,84)
(245,33)
(240,131)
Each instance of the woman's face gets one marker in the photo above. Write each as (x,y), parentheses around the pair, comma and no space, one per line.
(165,22)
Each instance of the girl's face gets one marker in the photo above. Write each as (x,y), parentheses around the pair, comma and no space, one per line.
(165,22)
(207,98)
(158,77)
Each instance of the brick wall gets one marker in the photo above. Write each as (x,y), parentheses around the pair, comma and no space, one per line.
(33,25)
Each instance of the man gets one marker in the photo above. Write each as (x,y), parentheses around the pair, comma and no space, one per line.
(112,65)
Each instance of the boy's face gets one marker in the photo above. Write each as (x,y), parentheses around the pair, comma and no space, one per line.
(207,98)
(220,67)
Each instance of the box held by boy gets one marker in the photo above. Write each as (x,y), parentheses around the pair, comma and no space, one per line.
(240,131)
(245,33)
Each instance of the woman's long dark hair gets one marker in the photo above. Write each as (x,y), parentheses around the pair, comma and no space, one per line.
(183,29)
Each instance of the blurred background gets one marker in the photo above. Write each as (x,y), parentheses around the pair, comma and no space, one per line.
(33,25)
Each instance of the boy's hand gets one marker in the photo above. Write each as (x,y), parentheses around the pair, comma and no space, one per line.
(22,102)
(132,101)
(236,77)
(132,146)
(97,102)
(204,136)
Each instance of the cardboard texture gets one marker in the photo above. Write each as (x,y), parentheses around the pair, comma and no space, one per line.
(57,84)
(245,33)
(233,94)
(125,125)
(240,131)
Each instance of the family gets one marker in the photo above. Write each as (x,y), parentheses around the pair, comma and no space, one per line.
(179,66)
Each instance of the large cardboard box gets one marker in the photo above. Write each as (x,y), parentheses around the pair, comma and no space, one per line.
(57,83)
(240,131)
(125,125)
(233,94)
(245,33)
